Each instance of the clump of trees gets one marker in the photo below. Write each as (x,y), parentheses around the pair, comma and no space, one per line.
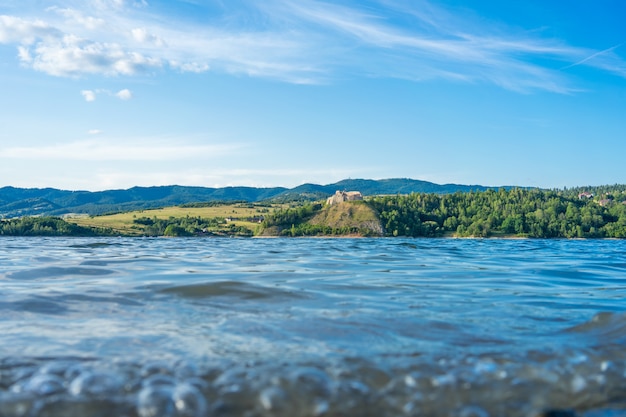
(523,212)
(289,221)
(47,226)
(189,226)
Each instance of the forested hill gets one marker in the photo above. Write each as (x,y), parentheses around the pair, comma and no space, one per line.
(16,202)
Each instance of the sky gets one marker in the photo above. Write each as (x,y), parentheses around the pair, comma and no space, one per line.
(111,94)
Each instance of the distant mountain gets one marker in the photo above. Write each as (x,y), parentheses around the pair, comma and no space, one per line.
(16,202)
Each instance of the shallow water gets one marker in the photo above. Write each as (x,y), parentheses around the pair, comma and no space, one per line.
(312,327)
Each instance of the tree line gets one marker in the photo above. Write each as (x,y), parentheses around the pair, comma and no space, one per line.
(504,212)
(189,226)
(573,213)
(47,226)
(521,212)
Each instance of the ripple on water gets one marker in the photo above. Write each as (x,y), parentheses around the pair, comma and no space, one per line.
(55,272)
(232,289)
(359,327)
(39,305)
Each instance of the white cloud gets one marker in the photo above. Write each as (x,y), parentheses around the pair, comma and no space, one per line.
(141,35)
(77,16)
(89,95)
(24,55)
(299,41)
(101,150)
(94,132)
(124,94)
(73,56)
(189,66)
(17,30)
(118,4)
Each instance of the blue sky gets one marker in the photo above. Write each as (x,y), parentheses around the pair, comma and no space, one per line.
(104,94)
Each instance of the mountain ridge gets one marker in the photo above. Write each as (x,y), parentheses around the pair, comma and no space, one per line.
(18,202)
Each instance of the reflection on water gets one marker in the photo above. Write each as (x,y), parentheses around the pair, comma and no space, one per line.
(312,327)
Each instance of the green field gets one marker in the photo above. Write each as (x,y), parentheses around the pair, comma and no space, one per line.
(246,215)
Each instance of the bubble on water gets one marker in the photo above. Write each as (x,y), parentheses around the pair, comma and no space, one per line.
(95,384)
(273,399)
(159,380)
(55,367)
(156,402)
(189,401)
(41,385)
(161,396)
(312,381)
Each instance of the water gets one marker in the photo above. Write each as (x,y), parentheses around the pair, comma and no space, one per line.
(312,327)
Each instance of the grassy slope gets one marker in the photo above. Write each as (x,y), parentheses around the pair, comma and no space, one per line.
(353,214)
(356,214)
(123,222)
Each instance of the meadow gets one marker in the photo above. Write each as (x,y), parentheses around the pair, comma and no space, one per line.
(227,215)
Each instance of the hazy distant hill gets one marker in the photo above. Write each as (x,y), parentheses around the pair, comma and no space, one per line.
(15,202)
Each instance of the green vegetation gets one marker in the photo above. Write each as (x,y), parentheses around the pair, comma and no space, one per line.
(515,212)
(350,218)
(20,202)
(589,212)
(47,226)
(188,226)
(202,219)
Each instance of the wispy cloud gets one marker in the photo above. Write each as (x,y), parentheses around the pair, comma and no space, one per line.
(606,60)
(296,41)
(90,95)
(95,150)
(73,15)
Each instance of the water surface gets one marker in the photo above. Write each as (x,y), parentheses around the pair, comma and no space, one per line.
(312,327)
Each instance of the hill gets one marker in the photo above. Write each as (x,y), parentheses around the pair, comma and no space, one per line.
(349,218)
(17,202)
(354,216)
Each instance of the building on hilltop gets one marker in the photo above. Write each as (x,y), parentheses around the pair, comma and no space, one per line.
(341,196)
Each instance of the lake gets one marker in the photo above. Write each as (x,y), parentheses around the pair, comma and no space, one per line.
(312,327)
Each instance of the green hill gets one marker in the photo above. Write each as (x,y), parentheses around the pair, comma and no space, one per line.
(17,202)
(357,216)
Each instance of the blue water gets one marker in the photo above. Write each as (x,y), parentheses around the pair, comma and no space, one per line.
(312,327)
